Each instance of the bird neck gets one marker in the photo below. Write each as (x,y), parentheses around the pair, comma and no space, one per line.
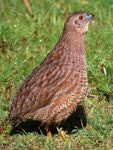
(74,42)
(70,50)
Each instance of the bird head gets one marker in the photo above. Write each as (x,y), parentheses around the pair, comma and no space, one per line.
(78,22)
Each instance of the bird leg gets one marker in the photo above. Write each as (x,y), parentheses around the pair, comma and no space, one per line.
(49,133)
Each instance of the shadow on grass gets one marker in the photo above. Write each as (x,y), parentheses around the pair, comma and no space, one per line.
(75,122)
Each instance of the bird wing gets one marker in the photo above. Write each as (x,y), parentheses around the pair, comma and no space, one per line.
(39,88)
(55,73)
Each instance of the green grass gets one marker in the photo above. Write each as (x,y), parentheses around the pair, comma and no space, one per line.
(25,41)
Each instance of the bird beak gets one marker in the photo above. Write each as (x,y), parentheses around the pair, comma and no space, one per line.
(90,16)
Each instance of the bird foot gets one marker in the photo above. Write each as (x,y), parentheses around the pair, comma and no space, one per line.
(49,133)
(62,134)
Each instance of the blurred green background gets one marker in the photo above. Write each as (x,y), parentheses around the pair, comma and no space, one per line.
(26,40)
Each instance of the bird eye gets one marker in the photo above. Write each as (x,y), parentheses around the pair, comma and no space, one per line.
(80,17)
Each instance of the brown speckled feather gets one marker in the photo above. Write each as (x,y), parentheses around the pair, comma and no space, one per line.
(53,90)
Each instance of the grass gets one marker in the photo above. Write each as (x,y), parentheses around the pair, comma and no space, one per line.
(25,41)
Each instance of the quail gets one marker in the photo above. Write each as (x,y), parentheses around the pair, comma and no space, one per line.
(51,93)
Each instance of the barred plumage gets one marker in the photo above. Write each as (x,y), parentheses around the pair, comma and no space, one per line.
(53,90)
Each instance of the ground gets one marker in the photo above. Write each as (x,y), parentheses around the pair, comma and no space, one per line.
(25,41)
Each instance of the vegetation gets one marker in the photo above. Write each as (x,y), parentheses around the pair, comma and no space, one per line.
(26,40)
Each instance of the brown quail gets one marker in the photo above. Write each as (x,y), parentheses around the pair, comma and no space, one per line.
(52,91)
